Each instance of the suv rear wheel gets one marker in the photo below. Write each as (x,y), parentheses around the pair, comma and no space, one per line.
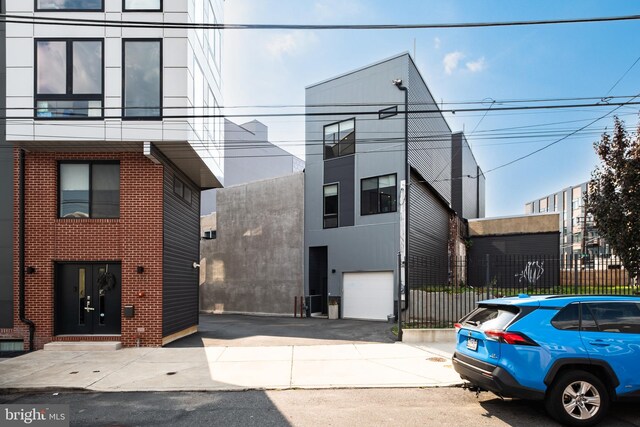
(577,398)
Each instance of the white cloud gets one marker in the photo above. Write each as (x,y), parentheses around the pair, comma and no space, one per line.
(292,43)
(477,65)
(451,61)
(436,42)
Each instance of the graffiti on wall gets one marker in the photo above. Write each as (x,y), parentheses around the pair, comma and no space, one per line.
(531,273)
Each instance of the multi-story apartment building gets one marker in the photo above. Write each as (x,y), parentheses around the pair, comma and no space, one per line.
(355,172)
(111,137)
(578,234)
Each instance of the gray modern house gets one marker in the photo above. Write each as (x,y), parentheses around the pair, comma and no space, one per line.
(354,185)
(248,157)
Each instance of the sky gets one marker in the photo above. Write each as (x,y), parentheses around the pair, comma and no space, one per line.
(487,65)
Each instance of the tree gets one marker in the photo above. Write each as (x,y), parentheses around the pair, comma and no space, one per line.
(614,194)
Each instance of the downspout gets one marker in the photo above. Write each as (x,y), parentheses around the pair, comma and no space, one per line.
(21,255)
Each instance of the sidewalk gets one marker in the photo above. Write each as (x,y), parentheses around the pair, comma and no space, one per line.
(234,368)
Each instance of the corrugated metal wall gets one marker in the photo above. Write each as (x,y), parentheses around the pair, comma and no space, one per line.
(181,249)
(429,136)
(428,235)
(509,255)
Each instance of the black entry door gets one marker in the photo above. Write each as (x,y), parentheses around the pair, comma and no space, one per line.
(88,298)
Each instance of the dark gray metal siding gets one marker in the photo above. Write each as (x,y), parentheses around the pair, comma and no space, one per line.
(481,193)
(6,197)
(342,171)
(508,255)
(428,235)
(429,136)
(181,250)
(467,187)
(456,171)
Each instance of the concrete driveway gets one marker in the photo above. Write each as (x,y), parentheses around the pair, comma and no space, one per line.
(229,330)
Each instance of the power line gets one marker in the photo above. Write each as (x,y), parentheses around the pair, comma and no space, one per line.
(178,25)
(560,139)
(352,113)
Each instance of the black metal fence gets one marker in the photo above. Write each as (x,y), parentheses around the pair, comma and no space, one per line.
(442,290)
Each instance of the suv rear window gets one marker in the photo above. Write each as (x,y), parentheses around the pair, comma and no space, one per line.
(567,319)
(491,317)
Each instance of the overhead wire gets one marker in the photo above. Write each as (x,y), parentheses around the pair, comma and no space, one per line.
(11,18)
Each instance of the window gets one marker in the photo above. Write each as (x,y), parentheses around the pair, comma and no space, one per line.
(142,79)
(330,206)
(378,195)
(340,139)
(89,190)
(182,190)
(544,204)
(141,5)
(621,317)
(67,5)
(69,79)
(209,235)
(491,317)
(568,319)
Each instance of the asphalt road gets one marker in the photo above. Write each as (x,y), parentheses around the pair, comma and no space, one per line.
(353,407)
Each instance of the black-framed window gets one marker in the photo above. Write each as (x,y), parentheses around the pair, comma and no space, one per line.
(69,78)
(142,79)
(340,139)
(330,206)
(141,5)
(378,195)
(89,190)
(182,190)
(70,5)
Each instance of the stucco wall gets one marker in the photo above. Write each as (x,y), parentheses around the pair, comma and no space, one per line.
(544,223)
(255,263)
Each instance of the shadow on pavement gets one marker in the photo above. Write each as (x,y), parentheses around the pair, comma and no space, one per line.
(241,330)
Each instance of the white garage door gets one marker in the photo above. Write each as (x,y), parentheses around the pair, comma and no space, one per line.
(367,295)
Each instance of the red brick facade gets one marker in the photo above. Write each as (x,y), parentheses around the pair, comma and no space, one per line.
(134,239)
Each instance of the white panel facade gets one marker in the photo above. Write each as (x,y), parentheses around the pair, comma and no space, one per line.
(183,50)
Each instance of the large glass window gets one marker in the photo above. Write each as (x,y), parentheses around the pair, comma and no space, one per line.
(69,79)
(142,79)
(69,5)
(141,5)
(89,190)
(378,195)
(330,206)
(340,139)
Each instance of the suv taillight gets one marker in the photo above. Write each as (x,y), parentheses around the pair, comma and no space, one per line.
(458,326)
(510,337)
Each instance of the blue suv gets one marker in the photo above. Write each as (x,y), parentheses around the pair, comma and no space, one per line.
(577,353)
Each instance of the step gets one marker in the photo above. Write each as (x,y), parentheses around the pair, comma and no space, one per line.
(83,346)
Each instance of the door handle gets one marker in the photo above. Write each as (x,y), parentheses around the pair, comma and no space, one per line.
(88,307)
(599,343)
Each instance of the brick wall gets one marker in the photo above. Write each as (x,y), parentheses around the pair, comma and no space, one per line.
(134,239)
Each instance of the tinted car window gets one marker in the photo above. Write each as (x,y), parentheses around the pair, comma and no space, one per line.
(491,317)
(567,319)
(621,317)
(588,322)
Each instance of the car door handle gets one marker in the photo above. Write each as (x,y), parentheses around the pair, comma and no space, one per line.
(599,343)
